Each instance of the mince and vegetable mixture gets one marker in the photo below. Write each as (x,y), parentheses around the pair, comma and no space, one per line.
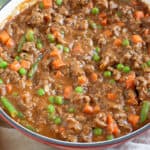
(78,70)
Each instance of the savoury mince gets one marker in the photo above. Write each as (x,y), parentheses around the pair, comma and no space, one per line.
(78,70)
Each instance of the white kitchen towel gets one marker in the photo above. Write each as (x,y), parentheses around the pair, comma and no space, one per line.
(142,142)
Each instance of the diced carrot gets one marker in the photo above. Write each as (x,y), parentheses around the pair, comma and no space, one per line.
(112,125)
(122,79)
(93,77)
(88,109)
(146,32)
(121,24)
(130,81)
(77,49)
(104,22)
(68,92)
(90,5)
(58,74)
(117,42)
(110,122)
(137,39)
(108,33)
(61,129)
(116,130)
(96,109)
(25,64)
(42,50)
(102,15)
(9,88)
(53,29)
(110,119)
(15,66)
(133,119)
(10,43)
(139,15)
(132,101)
(58,63)
(47,3)
(82,80)
(134,2)
(4,37)
(111,96)
(1,49)
(56,34)
(55,53)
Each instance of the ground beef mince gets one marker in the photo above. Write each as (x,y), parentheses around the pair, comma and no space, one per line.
(78,70)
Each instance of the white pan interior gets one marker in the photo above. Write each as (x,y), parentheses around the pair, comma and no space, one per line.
(12,9)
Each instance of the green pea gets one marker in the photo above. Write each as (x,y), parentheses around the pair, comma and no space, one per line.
(41,5)
(95,11)
(51,116)
(119,14)
(93,25)
(51,99)
(79,89)
(144,65)
(15,94)
(97,131)
(120,67)
(59,2)
(3,64)
(51,38)
(17,58)
(96,57)
(107,74)
(148,63)
(20,115)
(110,137)
(62,32)
(41,92)
(51,108)
(126,69)
(97,49)
(39,45)
(22,71)
(125,42)
(57,120)
(100,27)
(66,50)
(112,81)
(30,35)
(1,81)
(59,100)
(60,47)
(71,110)
(126,108)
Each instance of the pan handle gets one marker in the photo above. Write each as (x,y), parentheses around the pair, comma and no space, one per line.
(3,123)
